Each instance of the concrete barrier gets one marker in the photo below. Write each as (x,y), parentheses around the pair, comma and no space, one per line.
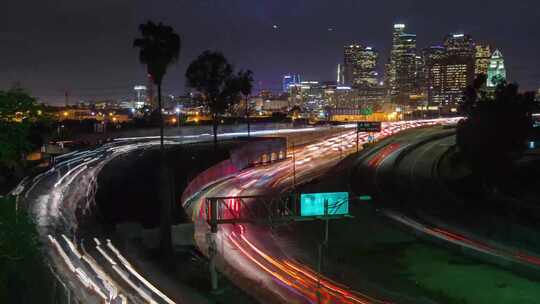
(209,176)
(263,150)
(253,151)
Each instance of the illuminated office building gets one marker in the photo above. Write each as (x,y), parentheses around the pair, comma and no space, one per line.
(433,72)
(496,71)
(289,80)
(140,97)
(405,66)
(482,59)
(365,74)
(450,69)
(460,45)
(351,57)
(395,55)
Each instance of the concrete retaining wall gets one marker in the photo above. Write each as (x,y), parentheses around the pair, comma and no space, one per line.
(252,152)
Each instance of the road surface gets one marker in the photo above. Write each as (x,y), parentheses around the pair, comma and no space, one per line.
(248,254)
(93,270)
(403,172)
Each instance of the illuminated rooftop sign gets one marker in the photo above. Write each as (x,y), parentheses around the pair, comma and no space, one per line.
(324,204)
(399,26)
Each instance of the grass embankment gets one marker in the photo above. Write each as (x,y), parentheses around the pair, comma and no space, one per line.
(507,214)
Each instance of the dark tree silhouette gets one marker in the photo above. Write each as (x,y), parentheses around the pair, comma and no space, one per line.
(472,93)
(213,76)
(245,83)
(159,48)
(494,134)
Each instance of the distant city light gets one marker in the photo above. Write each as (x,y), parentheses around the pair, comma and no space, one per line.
(275,26)
(399,26)
(458,35)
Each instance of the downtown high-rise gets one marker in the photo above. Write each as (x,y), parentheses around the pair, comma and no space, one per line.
(496,72)
(403,71)
(450,69)
(289,80)
(359,66)
(482,59)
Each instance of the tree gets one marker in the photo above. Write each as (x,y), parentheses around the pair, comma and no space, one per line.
(494,134)
(245,83)
(23,123)
(213,76)
(23,277)
(159,48)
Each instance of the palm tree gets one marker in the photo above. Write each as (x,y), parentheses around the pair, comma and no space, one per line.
(245,82)
(159,48)
(212,75)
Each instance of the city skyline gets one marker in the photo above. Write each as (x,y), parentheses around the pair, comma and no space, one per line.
(36,53)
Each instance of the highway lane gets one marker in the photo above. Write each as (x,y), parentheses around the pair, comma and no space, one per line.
(408,185)
(248,254)
(59,197)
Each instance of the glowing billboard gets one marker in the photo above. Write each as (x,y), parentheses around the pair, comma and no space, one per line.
(324,204)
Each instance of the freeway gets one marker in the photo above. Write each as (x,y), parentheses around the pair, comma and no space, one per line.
(403,172)
(95,271)
(249,255)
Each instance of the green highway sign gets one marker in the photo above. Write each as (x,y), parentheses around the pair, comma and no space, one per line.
(369,126)
(324,204)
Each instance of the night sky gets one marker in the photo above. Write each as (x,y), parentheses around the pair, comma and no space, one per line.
(86,46)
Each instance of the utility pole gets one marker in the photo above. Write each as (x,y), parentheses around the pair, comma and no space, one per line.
(322,245)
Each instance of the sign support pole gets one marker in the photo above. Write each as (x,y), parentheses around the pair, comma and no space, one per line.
(324,243)
(357,140)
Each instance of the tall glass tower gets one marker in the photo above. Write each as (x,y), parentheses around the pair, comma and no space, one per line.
(496,70)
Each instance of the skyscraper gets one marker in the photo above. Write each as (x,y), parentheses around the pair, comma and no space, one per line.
(351,56)
(482,59)
(399,29)
(340,75)
(460,45)
(433,73)
(450,69)
(289,80)
(365,74)
(405,65)
(496,70)
(140,97)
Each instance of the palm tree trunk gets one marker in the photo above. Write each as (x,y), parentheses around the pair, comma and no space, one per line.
(165,189)
(161,122)
(247,116)
(215,128)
